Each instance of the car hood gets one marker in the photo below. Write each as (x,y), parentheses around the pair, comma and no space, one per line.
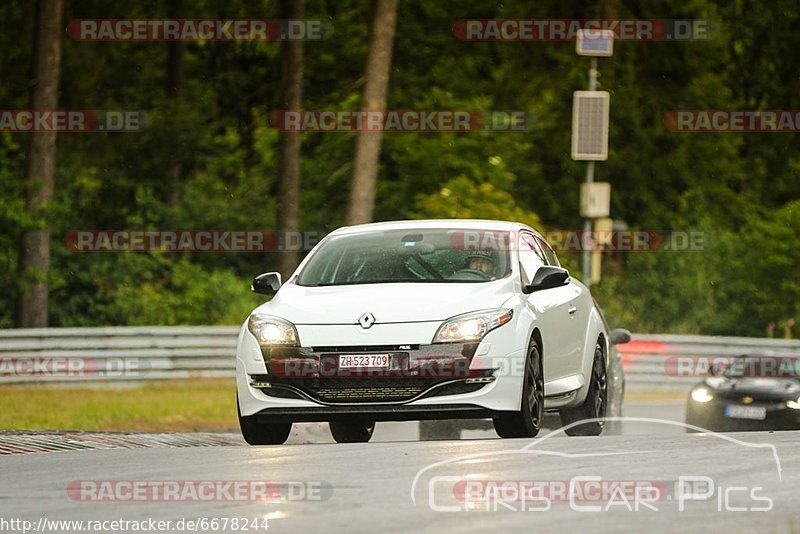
(777,388)
(388,303)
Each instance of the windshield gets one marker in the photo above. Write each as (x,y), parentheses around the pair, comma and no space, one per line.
(409,255)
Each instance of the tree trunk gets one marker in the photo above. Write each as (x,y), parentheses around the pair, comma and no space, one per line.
(291,96)
(174,89)
(34,254)
(368,145)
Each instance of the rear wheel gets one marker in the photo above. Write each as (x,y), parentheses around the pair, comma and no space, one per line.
(352,430)
(526,422)
(255,433)
(596,402)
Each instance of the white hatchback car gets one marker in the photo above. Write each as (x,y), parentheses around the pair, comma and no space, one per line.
(430,319)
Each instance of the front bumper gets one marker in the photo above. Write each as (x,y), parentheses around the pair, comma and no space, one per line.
(424,381)
(712,416)
(408,412)
(415,371)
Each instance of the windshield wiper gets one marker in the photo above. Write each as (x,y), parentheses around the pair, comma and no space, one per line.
(428,267)
(393,281)
(359,282)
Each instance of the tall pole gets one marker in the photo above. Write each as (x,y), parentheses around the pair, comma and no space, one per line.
(587,224)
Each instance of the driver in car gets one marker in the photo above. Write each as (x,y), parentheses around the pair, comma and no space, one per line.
(482,261)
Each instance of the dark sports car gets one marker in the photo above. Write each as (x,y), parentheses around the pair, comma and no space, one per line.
(751,393)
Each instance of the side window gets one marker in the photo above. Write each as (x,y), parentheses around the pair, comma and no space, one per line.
(548,252)
(530,258)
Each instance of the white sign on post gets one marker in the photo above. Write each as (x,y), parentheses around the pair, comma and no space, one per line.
(590,125)
(595,200)
(597,43)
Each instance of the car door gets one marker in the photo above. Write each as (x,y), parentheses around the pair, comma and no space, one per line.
(551,307)
(578,310)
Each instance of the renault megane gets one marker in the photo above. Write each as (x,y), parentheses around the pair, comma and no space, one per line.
(418,320)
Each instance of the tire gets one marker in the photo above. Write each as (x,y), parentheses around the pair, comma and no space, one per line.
(526,422)
(442,429)
(352,430)
(255,433)
(596,401)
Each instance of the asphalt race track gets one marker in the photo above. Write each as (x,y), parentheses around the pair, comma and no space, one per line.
(393,486)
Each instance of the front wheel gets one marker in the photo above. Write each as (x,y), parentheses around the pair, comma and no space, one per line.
(526,422)
(352,430)
(594,407)
(255,433)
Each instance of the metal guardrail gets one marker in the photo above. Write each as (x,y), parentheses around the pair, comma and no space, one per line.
(150,353)
(116,353)
(666,362)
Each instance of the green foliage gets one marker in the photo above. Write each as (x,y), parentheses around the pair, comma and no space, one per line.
(465,198)
(741,190)
(739,281)
(132,288)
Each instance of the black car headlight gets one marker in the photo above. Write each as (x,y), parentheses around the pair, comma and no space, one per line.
(472,326)
(272,331)
(702,394)
(793,404)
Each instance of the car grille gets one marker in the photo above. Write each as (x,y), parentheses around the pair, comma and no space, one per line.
(370,390)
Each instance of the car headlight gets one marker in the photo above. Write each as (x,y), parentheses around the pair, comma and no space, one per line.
(269,330)
(793,404)
(701,395)
(471,326)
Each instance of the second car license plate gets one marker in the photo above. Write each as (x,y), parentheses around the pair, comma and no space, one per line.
(746,412)
(364,361)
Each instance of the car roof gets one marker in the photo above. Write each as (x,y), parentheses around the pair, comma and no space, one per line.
(454,224)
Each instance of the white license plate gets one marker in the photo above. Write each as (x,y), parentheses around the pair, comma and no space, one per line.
(758,413)
(364,361)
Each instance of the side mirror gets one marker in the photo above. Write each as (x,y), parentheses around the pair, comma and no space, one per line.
(717,369)
(619,336)
(548,277)
(266,284)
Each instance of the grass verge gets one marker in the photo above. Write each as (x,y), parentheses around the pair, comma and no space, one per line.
(655,396)
(201,405)
(197,405)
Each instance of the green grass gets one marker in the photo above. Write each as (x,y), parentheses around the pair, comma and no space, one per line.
(170,406)
(196,405)
(655,396)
